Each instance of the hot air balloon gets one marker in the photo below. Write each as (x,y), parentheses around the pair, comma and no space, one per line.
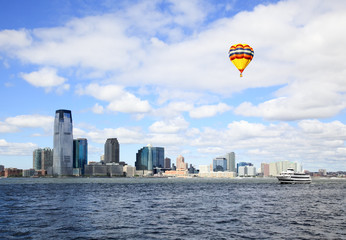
(241,55)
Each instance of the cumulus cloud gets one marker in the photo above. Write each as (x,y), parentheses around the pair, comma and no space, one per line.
(98,109)
(12,39)
(46,78)
(124,135)
(119,99)
(209,110)
(31,121)
(16,149)
(169,126)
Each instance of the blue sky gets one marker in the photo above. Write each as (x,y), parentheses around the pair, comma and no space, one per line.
(158,72)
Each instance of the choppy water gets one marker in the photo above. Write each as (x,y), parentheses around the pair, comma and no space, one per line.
(122,208)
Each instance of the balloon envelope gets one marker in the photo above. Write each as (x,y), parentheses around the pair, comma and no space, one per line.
(241,55)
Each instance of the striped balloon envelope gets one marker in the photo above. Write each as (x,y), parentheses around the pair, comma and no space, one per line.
(241,55)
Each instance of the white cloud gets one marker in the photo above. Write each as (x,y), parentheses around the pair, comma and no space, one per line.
(124,135)
(16,149)
(46,78)
(169,126)
(209,110)
(31,121)
(10,39)
(7,128)
(119,100)
(98,109)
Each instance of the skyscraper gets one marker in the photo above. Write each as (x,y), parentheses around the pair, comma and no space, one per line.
(80,154)
(149,157)
(111,151)
(63,143)
(37,159)
(230,161)
(42,159)
(181,162)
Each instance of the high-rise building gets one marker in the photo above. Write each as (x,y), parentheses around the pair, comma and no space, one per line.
(167,163)
(42,159)
(37,159)
(80,154)
(219,164)
(265,169)
(63,143)
(46,159)
(230,161)
(149,157)
(181,162)
(111,151)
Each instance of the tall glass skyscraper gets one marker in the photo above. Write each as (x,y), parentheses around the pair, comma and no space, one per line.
(37,159)
(149,157)
(112,150)
(80,154)
(63,143)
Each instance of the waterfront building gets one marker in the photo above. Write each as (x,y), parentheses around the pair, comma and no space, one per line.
(108,169)
(42,159)
(29,172)
(111,151)
(47,159)
(167,163)
(13,172)
(275,168)
(181,162)
(80,155)
(219,164)
(230,161)
(265,169)
(37,159)
(243,164)
(149,157)
(63,143)
(251,171)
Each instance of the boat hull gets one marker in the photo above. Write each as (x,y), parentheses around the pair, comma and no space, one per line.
(292,180)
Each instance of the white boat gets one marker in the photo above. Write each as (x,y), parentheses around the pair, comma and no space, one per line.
(293,177)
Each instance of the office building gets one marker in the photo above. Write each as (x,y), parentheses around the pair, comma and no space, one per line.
(181,162)
(265,169)
(219,164)
(149,157)
(42,159)
(111,151)
(167,163)
(243,164)
(80,155)
(47,159)
(63,144)
(230,161)
(37,159)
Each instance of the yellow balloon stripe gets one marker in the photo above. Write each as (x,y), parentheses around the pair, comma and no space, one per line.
(241,55)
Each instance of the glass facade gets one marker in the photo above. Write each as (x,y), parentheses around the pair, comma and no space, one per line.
(63,144)
(80,154)
(37,159)
(148,158)
(219,164)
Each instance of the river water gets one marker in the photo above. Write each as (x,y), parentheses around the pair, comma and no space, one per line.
(152,208)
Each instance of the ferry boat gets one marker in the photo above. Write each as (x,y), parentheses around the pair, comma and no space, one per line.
(293,177)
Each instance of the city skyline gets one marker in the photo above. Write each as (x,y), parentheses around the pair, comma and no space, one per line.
(158,72)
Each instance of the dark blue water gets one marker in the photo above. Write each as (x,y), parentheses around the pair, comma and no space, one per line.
(122,208)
